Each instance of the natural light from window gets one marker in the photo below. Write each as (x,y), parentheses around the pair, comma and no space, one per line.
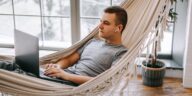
(50,20)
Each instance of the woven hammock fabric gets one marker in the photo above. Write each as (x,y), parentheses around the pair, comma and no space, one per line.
(142,18)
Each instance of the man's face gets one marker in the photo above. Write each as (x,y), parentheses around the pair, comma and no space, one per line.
(107,26)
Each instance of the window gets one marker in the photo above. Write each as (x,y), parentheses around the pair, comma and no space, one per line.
(51,21)
(6,22)
(47,19)
(6,29)
(166,42)
(56,23)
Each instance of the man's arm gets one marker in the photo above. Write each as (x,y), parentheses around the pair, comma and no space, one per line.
(65,62)
(59,73)
(69,60)
(79,79)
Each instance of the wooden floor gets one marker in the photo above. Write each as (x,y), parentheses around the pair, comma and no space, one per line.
(171,87)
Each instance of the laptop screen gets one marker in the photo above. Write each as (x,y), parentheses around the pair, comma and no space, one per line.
(27,52)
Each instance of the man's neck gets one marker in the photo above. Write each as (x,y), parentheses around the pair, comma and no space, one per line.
(114,42)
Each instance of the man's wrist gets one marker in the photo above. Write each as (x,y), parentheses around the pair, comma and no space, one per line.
(66,76)
(59,65)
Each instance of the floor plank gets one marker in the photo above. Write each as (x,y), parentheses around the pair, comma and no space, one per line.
(171,87)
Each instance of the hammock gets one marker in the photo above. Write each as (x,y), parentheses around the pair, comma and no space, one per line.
(138,34)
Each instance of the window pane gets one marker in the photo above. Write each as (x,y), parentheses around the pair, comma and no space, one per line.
(7,51)
(6,29)
(6,7)
(87,25)
(57,32)
(56,7)
(93,7)
(27,7)
(166,44)
(117,2)
(29,24)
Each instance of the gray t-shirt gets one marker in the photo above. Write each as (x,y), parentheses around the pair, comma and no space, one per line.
(96,56)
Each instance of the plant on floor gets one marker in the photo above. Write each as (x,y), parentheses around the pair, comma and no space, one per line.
(153,70)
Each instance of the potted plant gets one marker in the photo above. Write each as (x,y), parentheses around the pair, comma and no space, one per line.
(153,70)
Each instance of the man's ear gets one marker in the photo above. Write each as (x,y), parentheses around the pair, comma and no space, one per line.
(119,27)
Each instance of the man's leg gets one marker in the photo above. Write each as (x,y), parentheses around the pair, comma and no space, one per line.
(11,66)
(7,65)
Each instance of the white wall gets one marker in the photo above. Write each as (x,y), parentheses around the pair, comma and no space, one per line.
(187,76)
(179,34)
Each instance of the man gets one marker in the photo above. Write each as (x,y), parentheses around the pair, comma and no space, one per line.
(96,55)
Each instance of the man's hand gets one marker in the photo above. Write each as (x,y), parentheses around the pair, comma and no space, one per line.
(51,65)
(60,73)
(56,73)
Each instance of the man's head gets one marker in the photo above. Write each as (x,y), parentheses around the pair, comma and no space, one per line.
(121,15)
(113,22)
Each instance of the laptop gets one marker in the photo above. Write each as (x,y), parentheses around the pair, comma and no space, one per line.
(27,56)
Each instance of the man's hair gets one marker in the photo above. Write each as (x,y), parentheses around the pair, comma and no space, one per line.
(121,15)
